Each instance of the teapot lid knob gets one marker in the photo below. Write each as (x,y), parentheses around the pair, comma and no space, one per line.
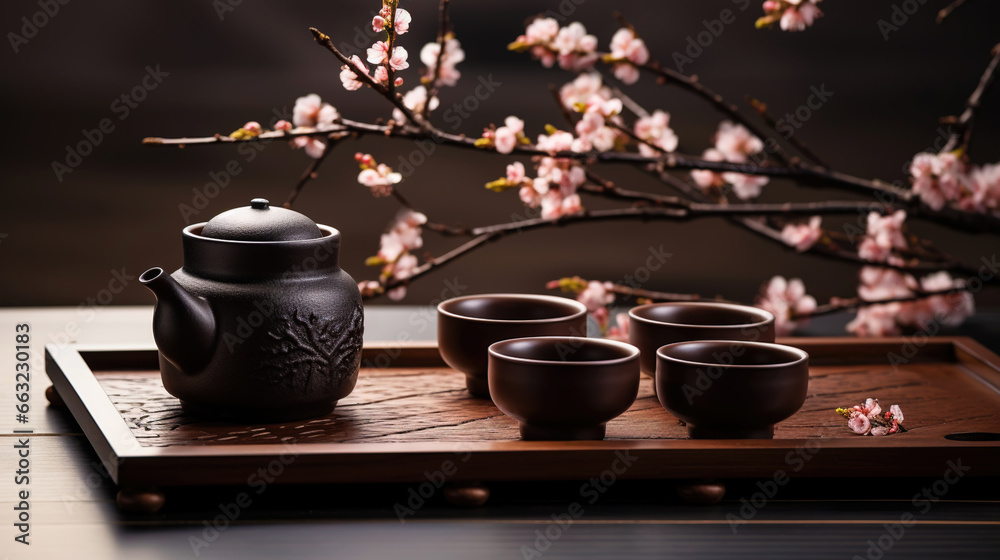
(259,204)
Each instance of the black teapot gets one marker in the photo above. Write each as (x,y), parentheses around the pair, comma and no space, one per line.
(260,324)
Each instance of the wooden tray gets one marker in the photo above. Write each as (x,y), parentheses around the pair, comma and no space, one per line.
(415,416)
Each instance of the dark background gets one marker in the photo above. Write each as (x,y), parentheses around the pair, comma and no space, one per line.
(119,207)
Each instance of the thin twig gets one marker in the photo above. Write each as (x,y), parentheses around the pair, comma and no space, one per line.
(963,124)
(432,88)
(841,304)
(311,171)
(324,40)
(947,10)
(792,139)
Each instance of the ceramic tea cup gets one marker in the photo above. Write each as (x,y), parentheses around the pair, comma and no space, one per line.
(726,389)
(654,325)
(563,388)
(467,326)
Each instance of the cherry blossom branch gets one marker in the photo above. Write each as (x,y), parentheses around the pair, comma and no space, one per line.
(947,10)
(441,39)
(850,304)
(312,171)
(434,263)
(692,84)
(388,92)
(806,174)
(762,228)
(794,140)
(963,124)
(835,305)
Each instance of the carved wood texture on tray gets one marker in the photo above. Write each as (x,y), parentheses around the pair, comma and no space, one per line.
(426,404)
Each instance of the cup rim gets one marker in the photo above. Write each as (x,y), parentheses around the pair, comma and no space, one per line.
(768,317)
(581,309)
(802,355)
(633,352)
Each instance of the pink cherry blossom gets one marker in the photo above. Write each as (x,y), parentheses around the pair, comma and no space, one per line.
(575,47)
(253,127)
(369,288)
(595,296)
(350,77)
(378,23)
(310,110)
(404,235)
(655,129)
(625,45)
(746,187)
(879,430)
(950,309)
(878,283)
(870,408)
(283,125)
(402,21)
(859,423)
(541,31)
(415,100)
(515,172)
(381,75)
(803,236)
(402,269)
(558,141)
(529,196)
(704,178)
(506,137)
(792,20)
(736,142)
(875,320)
(883,234)
(378,53)
(897,414)
(398,59)
(380,179)
(314,147)
(785,298)
(582,89)
(619,331)
(453,54)
(572,204)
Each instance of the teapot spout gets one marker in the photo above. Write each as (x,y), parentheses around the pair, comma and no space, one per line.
(183,323)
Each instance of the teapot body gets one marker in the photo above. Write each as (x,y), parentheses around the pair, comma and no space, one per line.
(260,323)
(282,352)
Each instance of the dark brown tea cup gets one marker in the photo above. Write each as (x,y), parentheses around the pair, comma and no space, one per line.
(654,325)
(467,326)
(563,388)
(727,389)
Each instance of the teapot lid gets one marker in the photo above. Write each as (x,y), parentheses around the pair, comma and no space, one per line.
(261,222)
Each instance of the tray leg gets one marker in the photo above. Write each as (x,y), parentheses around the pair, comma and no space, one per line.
(55,401)
(703,492)
(466,495)
(140,500)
